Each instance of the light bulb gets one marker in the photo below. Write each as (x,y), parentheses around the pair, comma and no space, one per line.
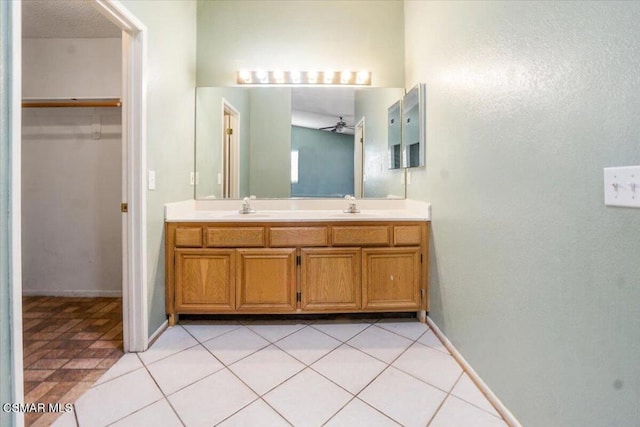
(295,76)
(328,76)
(245,76)
(312,76)
(262,76)
(278,76)
(362,77)
(345,77)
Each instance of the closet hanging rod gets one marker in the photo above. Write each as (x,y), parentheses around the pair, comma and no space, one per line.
(73,102)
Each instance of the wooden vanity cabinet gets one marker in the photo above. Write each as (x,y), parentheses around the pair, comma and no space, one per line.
(330,279)
(287,268)
(205,280)
(391,278)
(266,280)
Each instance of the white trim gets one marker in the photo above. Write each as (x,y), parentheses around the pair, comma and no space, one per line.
(484,388)
(16,207)
(358,161)
(79,293)
(158,332)
(134,125)
(114,11)
(234,171)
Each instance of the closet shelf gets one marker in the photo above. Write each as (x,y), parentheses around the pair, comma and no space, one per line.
(71,102)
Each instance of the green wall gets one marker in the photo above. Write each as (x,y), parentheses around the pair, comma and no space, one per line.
(171,57)
(302,35)
(532,278)
(209,134)
(270,146)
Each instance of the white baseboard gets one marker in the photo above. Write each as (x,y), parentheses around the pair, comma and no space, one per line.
(492,398)
(80,293)
(154,336)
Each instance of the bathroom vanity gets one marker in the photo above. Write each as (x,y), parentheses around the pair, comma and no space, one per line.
(295,261)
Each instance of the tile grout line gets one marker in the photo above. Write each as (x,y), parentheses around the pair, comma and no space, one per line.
(443,401)
(497,404)
(270,342)
(164,397)
(225,366)
(306,366)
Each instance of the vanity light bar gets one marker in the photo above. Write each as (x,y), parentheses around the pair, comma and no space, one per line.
(326,77)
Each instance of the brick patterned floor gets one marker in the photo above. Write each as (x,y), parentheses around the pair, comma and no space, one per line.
(69,342)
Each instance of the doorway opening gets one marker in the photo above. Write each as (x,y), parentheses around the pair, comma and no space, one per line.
(133,165)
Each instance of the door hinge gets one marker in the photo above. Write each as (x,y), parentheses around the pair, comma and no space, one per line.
(298,296)
(420,258)
(124,207)
(230,131)
(298,260)
(421,294)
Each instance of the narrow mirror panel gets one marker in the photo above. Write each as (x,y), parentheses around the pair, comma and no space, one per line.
(414,127)
(394,124)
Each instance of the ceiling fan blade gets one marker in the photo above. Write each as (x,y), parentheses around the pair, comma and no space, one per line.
(328,127)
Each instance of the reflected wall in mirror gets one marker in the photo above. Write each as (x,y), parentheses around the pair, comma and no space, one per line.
(414,127)
(394,125)
(279,142)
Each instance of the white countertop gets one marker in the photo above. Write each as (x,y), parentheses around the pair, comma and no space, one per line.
(297,210)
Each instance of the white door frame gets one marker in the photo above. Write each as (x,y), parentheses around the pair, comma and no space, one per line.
(13,78)
(358,152)
(134,126)
(134,286)
(234,152)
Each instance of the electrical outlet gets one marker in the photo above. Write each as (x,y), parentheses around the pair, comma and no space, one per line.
(192,179)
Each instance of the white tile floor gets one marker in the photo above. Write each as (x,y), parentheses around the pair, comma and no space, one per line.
(303,373)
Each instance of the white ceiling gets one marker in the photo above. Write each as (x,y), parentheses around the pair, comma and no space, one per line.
(316,107)
(65,19)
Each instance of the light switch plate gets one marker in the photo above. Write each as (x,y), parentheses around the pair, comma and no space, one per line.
(622,186)
(152,180)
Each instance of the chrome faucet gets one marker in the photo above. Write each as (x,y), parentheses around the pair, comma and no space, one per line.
(246,207)
(352,204)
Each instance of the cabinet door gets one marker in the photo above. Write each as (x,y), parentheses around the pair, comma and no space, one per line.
(205,280)
(330,279)
(266,280)
(391,278)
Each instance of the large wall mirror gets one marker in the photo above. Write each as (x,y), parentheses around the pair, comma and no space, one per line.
(280,142)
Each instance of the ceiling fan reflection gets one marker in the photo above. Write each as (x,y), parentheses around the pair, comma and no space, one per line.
(339,127)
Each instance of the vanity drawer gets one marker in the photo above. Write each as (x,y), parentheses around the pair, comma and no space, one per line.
(188,237)
(241,237)
(360,235)
(407,235)
(298,236)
